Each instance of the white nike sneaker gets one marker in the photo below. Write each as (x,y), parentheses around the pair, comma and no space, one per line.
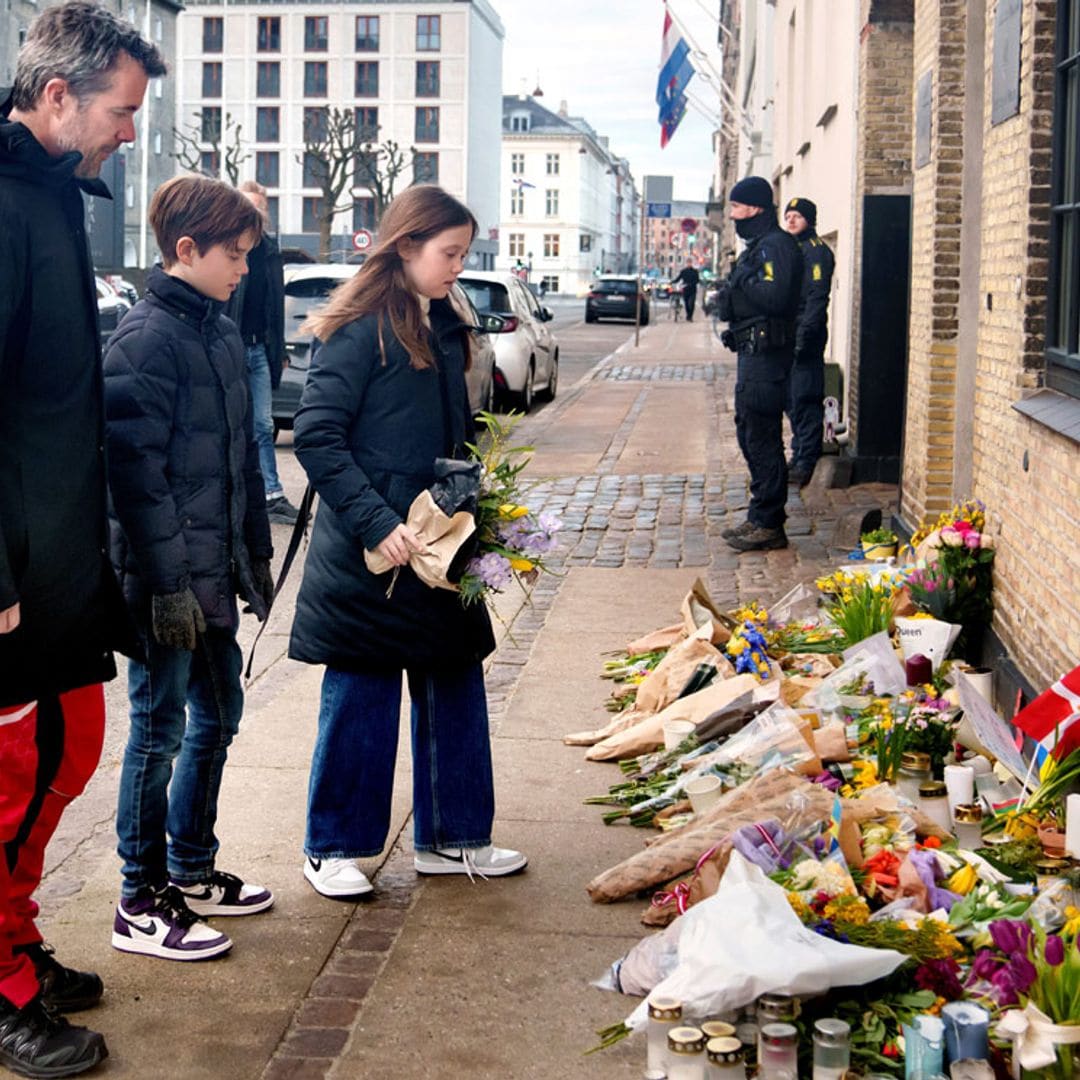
(225,894)
(336,878)
(481,862)
(161,924)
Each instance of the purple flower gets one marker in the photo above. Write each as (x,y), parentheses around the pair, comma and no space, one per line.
(492,569)
(1011,936)
(985,965)
(1054,951)
(549,522)
(972,540)
(1014,979)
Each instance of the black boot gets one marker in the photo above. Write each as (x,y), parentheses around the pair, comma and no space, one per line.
(64,989)
(37,1042)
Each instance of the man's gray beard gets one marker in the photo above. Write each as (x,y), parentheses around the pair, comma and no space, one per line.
(70,141)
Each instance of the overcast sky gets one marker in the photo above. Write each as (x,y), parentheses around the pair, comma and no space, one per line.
(603,59)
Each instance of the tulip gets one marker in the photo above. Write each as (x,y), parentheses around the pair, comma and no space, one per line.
(1054,950)
(972,540)
(1011,936)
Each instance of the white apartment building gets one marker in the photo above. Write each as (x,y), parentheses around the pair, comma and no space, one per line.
(570,208)
(424,73)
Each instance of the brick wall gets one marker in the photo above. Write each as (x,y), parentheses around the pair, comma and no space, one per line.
(935,268)
(883,148)
(1035,513)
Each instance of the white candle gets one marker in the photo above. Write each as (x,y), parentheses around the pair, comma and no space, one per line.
(960,785)
(1072,826)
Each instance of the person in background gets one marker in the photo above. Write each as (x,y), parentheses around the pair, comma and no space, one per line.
(806,386)
(80,78)
(189,533)
(385,397)
(258,309)
(759,301)
(689,278)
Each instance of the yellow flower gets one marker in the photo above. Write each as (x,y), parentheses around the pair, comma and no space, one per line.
(522,565)
(1072,922)
(509,510)
(963,880)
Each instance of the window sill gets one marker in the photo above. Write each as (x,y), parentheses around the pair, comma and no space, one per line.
(1056,411)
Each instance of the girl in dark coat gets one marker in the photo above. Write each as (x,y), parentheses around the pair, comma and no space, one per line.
(384,398)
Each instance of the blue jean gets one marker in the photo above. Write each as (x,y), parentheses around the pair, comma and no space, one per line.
(185,710)
(258,368)
(352,770)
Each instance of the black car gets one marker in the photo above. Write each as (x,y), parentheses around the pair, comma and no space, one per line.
(615,297)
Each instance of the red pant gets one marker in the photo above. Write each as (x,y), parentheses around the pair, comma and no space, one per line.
(48,752)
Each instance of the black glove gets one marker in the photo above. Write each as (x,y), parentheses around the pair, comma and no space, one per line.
(176,619)
(727,339)
(264,580)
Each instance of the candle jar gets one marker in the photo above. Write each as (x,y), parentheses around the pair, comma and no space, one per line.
(832,1049)
(968,827)
(934,803)
(778,1052)
(725,1059)
(664,1014)
(777,1009)
(686,1054)
(718,1029)
(914,772)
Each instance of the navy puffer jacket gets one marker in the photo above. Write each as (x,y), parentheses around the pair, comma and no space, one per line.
(188,504)
(367,434)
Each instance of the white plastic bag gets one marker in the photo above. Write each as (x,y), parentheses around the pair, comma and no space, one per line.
(745,941)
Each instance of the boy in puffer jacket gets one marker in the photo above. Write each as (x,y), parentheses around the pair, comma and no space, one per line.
(189,533)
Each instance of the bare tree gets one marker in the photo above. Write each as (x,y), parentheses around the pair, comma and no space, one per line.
(341,156)
(204,137)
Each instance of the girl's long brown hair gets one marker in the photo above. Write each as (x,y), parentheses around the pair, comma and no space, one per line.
(380,286)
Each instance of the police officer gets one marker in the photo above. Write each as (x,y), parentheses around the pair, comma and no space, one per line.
(689,278)
(759,302)
(806,387)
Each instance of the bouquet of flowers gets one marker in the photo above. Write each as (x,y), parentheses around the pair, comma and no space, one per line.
(512,541)
(860,604)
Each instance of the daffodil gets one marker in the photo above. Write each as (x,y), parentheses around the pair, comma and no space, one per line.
(522,565)
(1072,922)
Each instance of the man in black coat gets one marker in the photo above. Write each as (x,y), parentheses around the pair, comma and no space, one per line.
(689,278)
(80,78)
(806,387)
(258,309)
(759,302)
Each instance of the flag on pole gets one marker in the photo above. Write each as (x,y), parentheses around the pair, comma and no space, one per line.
(668,126)
(675,71)
(522,183)
(1051,719)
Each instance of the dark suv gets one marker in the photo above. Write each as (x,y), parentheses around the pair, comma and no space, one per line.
(613,297)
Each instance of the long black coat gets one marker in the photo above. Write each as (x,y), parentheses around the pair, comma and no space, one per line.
(187,496)
(274,296)
(53,533)
(367,434)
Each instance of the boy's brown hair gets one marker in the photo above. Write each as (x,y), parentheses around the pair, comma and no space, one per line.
(208,211)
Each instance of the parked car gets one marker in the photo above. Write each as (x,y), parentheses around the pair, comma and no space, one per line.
(526,352)
(112,307)
(615,296)
(307,286)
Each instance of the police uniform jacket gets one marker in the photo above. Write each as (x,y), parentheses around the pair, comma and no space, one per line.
(812,330)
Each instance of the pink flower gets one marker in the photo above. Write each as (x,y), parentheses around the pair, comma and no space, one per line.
(963,527)
(951,537)
(972,540)
(987,541)
(1054,950)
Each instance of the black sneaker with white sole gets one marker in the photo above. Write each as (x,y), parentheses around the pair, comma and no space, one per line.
(225,894)
(161,924)
(63,989)
(35,1041)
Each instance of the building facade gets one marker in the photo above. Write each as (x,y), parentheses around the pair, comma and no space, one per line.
(680,239)
(570,208)
(426,75)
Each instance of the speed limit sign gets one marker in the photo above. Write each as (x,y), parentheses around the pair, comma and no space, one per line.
(361,239)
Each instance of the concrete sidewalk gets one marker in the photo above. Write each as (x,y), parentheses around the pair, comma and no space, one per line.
(443,977)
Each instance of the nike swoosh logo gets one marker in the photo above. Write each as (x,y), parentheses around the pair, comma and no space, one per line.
(149,929)
(446,855)
(316,864)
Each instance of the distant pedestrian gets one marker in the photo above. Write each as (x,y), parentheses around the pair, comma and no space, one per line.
(80,78)
(689,279)
(189,533)
(806,387)
(759,301)
(385,397)
(258,309)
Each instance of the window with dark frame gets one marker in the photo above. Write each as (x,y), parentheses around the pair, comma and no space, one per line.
(210,163)
(267,123)
(367,78)
(1063,322)
(211,80)
(367,33)
(427,124)
(269,35)
(272,212)
(428,33)
(551,245)
(316,123)
(366,168)
(268,168)
(366,122)
(268,79)
(427,78)
(426,168)
(315,167)
(210,123)
(213,34)
(312,211)
(315,78)
(316,33)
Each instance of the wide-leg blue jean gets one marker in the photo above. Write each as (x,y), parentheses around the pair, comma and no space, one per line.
(185,710)
(352,770)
